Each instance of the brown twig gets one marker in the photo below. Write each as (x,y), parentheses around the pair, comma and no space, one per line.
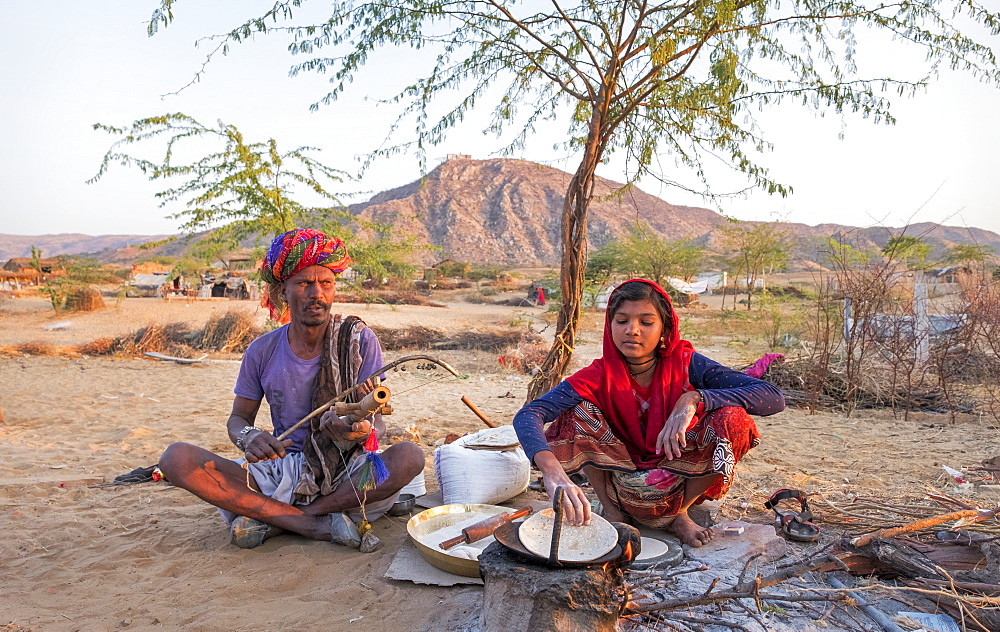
(966,516)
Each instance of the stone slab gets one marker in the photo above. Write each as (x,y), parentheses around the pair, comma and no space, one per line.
(731,552)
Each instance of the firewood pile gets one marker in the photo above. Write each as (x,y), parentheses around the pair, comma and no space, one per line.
(931,555)
(805,385)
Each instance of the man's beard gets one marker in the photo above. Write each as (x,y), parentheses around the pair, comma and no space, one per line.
(308,318)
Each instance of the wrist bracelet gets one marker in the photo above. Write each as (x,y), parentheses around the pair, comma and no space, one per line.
(241,439)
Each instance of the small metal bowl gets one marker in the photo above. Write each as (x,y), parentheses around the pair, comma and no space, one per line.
(403,505)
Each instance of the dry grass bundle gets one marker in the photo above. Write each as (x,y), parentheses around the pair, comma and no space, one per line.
(99,347)
(419,337)
(230,333)
(36,349)
(386,298)
(496,340)
(84,299)
(171,338)
(414,337)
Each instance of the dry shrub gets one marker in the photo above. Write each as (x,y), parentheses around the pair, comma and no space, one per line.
(527,357)
(414,337)
(445,283)
(230,333)
(84,299)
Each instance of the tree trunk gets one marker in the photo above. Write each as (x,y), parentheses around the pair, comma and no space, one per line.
(574,258)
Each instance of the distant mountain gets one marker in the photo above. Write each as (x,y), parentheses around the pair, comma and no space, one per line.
(508,212)
(67,244)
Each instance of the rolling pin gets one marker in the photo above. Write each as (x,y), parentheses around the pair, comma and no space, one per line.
(483,528)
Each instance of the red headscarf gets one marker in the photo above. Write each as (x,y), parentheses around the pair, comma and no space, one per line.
(607,384)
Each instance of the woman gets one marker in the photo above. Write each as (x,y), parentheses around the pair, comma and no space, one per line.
(655,426)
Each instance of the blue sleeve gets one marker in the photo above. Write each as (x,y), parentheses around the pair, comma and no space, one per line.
(721,386)
(530,420)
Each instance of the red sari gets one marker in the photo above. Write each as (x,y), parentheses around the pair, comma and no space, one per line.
(616,426)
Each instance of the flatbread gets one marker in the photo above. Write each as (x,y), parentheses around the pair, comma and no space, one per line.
(576,544)
(493,438)
(651,547)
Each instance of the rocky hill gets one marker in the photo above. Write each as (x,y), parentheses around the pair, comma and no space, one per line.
(67,244)
(508,212)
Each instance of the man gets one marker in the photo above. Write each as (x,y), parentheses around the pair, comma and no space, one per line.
(307,483)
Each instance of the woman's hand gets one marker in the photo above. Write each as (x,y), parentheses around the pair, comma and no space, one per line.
(576,505)
(337,428)
(671,439)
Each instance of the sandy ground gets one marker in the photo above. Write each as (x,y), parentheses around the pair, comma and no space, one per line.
(79,557)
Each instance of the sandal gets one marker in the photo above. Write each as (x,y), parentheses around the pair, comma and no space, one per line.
(795,525)
(248,533)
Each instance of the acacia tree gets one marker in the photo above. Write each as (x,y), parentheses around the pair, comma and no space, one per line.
(241,189)
(658,258)
(909,250)
(759,249)
(644,77)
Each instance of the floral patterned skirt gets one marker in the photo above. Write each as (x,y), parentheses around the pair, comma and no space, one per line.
(582,437)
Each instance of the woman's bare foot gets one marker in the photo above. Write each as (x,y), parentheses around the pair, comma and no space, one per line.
(690,532)
(611,513)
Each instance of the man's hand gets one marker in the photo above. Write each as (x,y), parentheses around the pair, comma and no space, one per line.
(338,429)
(672,438)
(262,446)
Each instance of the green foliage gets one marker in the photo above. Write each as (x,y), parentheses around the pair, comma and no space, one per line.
(603,263)
(457,269)
(242,188)
(909,250)
(377,251)
(479,272)
(844,256)
(758,249)
(646,255)
(969,254)
(36,258)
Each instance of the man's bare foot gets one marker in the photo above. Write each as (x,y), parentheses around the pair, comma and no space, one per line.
(690,532)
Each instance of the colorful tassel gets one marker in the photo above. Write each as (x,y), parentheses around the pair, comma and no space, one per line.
(374,472)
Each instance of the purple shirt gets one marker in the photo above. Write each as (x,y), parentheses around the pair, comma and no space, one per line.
(271,370)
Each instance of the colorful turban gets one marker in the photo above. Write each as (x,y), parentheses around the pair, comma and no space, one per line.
(293,252)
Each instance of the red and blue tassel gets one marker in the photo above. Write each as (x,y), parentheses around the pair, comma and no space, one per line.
(374,472)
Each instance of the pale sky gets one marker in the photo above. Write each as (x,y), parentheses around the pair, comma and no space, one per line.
(69,64)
